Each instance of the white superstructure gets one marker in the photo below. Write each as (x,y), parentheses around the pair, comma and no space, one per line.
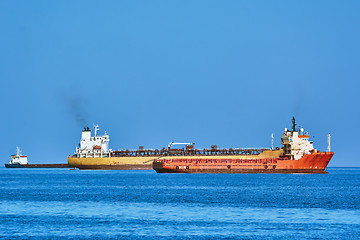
(18,158)
(296,143)
(93,146)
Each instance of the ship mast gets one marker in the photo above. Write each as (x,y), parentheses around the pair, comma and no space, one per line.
(294,124)
(328,142)
(18,151)
(96,128)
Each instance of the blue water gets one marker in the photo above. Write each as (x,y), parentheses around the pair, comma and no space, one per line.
(65,204)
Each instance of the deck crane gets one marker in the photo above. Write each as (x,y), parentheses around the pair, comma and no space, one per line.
(173,143)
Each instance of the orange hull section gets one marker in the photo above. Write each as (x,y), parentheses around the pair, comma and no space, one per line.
(310,163)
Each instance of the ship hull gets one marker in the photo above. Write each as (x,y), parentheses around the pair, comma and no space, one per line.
(116,167)
(112,163)
(242,171)
(13,165)
(18,165)
(310,163)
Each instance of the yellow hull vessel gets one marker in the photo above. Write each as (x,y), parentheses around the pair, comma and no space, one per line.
(94,153)
(120,163)
(146,162)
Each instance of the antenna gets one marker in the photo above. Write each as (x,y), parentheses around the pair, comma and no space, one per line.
(96,128)
(328,142)
(272,141)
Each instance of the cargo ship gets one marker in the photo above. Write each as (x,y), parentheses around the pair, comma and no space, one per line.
(20,161)
(93,152)
(297,155)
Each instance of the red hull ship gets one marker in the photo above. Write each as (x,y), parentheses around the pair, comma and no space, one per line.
(296,156)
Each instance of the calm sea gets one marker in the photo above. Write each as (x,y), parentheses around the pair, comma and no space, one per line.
(72,204)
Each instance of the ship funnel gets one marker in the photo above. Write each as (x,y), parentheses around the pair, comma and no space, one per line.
(328,142)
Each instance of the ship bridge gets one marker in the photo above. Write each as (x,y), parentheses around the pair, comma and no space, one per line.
(296,142)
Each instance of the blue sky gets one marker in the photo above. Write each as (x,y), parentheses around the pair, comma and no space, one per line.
(150,72)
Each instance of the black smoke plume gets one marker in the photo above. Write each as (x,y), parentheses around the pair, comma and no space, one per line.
(76,109)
